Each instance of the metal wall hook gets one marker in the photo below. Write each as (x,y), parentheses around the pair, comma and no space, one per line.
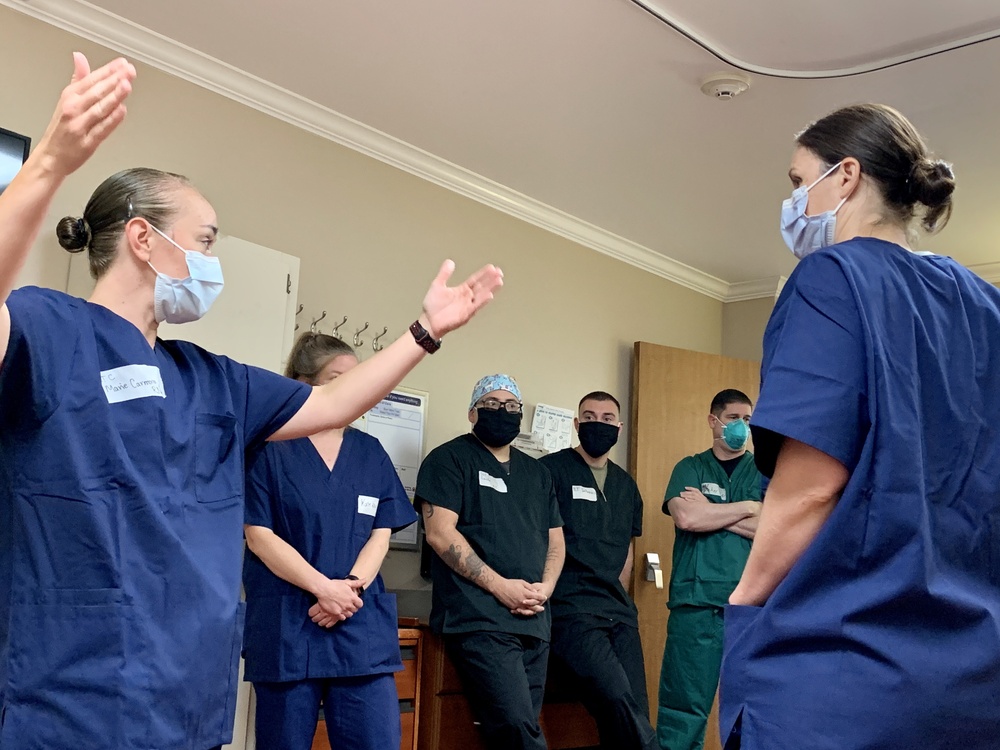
(357,335)
(297,313)
(336,329)
(312,326)
(375,344)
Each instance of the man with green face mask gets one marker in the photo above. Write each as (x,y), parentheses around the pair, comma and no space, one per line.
(714,499)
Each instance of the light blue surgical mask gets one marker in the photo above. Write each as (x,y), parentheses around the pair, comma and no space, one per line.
(188,299)
(735,434)
(807,234)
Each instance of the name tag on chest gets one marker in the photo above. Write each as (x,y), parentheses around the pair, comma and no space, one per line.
(367,504)
(711,488)
(495,483)
(131,382)
(584,493)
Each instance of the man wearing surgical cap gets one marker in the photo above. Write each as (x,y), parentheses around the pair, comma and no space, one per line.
(491,515)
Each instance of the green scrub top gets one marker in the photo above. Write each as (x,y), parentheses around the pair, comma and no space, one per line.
(599,527)
(506,519)
(707,566)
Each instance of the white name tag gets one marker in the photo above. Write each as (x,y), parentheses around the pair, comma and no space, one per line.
(131,382)
(711,488)
(367,504)
(584,493)
(496,483)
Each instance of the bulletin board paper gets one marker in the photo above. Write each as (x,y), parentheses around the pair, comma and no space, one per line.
(398,421)
(553,426)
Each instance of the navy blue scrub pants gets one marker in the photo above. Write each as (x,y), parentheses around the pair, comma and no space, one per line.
(362,713)
(503,676)
(603,660)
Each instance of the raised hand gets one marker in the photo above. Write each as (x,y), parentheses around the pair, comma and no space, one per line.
(449,307)
(88,111)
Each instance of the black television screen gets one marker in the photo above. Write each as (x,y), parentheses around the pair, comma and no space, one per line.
(13,151)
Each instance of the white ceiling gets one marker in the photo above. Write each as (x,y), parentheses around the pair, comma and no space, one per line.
(593,107)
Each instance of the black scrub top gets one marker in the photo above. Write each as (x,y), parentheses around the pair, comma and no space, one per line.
(599,528)
(506,518)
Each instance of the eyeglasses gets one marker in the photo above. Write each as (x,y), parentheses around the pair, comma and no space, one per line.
(512,407)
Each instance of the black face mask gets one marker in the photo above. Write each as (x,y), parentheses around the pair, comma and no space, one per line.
(597,438)
(496,428)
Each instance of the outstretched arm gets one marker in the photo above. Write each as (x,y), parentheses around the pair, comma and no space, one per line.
(88,111)
(345,398)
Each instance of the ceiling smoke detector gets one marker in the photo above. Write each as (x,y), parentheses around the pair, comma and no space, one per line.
(725,86)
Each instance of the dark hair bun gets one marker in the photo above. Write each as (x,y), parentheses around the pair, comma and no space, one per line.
(73,234)
(932,182)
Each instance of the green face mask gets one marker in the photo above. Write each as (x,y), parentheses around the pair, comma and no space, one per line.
(735,434)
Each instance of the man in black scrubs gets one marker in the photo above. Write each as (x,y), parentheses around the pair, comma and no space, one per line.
(595,630)
(492,518)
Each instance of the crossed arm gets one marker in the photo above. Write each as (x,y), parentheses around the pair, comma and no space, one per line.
(694,512)
(336,599)
(517,595)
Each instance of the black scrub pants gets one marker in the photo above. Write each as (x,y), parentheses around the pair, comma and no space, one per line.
(503,676)
(603,660)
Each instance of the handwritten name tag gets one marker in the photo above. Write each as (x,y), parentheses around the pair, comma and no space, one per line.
(367,504)
(584,493)
(131,382)
(711,488)
(496,483)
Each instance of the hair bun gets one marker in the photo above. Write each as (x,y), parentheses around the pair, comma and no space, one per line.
(932,182)
(73,233)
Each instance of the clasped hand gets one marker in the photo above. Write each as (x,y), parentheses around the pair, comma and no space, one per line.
(336,601)
(521,597)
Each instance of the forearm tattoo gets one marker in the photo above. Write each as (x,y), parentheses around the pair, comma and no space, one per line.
(471,567)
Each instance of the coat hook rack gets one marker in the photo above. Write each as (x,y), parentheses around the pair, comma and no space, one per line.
(336,329)
(312,326)
(358,341)
(376,346)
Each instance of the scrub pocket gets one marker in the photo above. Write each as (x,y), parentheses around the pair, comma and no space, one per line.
(734,687)
(993,540)
(218,459)
(383,632)
(70,542)
(65,670)
(228,719)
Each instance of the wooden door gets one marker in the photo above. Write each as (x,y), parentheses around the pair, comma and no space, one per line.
(672,390)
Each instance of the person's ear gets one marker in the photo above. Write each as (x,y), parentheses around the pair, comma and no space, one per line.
(848,177)
(139,236)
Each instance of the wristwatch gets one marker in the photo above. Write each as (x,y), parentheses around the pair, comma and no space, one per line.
(424,338)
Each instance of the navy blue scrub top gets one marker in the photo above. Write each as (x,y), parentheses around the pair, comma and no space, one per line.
(599,527)
(121,511)
(886,632)
(327,516)
(505,516)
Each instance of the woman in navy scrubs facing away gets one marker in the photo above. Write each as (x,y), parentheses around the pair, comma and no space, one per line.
(122,455)
(320,627)
(868,614)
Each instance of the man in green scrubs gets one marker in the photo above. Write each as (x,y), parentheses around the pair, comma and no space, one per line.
(714,499)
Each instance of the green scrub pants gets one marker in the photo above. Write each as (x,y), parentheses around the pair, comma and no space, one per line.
(689,678)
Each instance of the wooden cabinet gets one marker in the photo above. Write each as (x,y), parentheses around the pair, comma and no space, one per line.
(446,722)
(407,688)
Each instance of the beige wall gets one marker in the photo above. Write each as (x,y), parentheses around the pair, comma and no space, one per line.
(370,237)
(743,325)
